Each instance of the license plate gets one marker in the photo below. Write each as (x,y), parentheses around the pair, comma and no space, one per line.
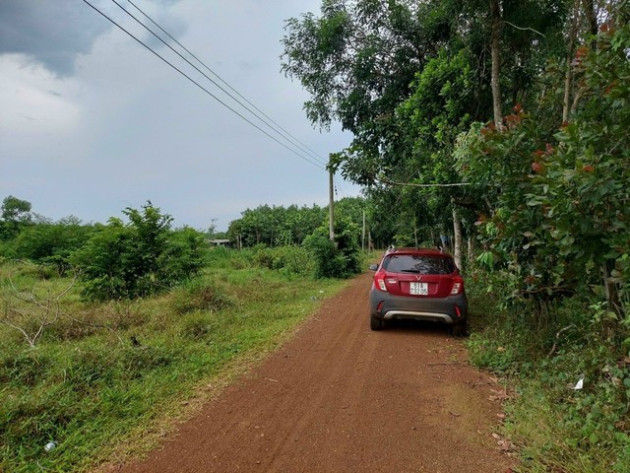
(418,288)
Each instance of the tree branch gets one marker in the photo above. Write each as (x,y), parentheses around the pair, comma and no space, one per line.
(555,344)
(411,184)
(524,29)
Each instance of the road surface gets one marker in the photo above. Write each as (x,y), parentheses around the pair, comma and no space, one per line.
(340,398)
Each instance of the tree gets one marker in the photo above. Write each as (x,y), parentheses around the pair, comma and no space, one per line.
(274,226)
(557,197)
(125,261)
(52,243)
(357,61)
(14,213)
(406,77)
(495,36)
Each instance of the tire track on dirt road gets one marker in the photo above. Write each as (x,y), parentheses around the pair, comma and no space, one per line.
(338,397)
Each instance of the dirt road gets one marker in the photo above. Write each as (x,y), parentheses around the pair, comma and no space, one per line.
(340,398)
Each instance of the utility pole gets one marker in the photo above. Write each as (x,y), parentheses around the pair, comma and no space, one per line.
(363,233)
(331,195)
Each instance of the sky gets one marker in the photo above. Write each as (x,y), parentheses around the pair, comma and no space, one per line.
(91,122)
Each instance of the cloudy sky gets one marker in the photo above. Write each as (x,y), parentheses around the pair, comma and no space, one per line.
(91,122)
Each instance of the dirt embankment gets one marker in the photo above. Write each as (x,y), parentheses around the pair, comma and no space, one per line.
(340,398)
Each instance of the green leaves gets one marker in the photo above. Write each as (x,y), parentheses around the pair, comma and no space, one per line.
(142,257)
(559,202)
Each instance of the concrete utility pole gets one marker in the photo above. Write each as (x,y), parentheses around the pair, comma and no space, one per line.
(331,195)
(363,233)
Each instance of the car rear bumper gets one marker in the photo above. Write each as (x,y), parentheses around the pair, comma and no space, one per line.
(449,310)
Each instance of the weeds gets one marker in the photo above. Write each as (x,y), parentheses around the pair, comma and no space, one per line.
(102,373)
(558,425)
(29,313)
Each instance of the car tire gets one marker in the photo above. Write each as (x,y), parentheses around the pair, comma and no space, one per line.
(376,323)
(460,329)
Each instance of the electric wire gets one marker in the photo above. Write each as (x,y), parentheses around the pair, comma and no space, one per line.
(286,133)
(289,138)
(201,86)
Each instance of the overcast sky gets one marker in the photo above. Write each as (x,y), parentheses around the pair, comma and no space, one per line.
(91,122)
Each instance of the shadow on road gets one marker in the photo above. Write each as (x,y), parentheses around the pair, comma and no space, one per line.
(431,329)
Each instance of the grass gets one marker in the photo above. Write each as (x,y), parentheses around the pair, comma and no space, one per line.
(104,375)
(554,427)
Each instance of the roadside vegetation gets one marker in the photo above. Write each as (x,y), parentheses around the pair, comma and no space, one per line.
(108,332)
(497,128)
(502,126)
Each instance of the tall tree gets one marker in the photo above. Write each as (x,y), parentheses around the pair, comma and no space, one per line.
(406,77)
(14,213)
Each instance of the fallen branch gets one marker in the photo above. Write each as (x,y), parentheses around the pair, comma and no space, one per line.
(555,344)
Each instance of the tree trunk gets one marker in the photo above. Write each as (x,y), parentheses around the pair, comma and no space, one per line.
(495,14)
(363,233)
(415,231)
(568,78)
(457,237)
(471,250)
(610,325)
(591,17)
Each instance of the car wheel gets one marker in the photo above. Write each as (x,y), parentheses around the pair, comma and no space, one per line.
(376,323)
(460,329)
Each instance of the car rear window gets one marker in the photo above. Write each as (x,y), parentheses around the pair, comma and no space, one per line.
(418,264)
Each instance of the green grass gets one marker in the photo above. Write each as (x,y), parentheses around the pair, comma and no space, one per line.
(85,386)
(555,427)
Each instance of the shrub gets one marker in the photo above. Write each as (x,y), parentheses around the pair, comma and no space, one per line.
(329,262)
(285,259)
(338,259)
(125,261)
(48,240)
(183,256)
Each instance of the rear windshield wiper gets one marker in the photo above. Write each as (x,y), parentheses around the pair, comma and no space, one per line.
(409,270)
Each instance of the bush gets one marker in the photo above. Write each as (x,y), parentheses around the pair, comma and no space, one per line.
(285,259)
(46,240)
(295,260)
(329,262)
(544,360)
(338,259)
(140,258)
(183,256)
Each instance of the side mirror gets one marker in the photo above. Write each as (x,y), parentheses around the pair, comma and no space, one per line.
(373,267)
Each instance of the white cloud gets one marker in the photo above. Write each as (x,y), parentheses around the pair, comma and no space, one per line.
(35,101)
(125,128)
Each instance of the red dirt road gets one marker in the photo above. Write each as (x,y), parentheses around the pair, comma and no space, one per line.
(340,398)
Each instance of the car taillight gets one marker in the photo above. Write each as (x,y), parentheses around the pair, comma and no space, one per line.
(379,282)
(458,287)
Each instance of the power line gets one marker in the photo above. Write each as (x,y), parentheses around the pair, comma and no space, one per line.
(284,136)
(287,135)
(202,87)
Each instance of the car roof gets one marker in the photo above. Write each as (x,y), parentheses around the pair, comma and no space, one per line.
(418,251)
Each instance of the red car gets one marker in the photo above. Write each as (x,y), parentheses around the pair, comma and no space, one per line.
(420,284)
